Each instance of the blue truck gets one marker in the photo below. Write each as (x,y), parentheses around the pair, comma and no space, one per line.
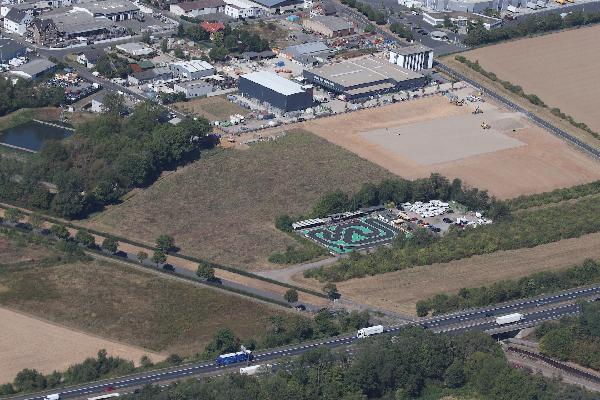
(232,358)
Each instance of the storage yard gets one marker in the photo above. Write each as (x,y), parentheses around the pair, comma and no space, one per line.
(566,59)
(415,138)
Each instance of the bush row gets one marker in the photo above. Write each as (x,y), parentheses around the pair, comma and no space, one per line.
(555,196)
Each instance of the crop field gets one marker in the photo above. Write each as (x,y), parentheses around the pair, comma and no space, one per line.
(415,138)
(399,291)
(222,207)
(138,308)
(212,108)
(352,235)
(568,60)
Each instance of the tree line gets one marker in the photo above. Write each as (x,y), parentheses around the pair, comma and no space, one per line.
(415,364)
(555,196)
(532,98)
(539,23)
(506,290)
(28,94)
(574,339)
(104,159)
(373,14)
(526,229)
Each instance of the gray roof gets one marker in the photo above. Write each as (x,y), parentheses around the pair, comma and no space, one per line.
(93,54)
(193,84)
(16,15)
(276,3)
(362,71)
(275,82)
(109,7)
(331,22)
(306,49)
(201,4)
(9,47)
(34,67)
(75,22)
(146,75)
(418,48)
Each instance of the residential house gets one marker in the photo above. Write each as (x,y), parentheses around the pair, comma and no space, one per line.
(16,21)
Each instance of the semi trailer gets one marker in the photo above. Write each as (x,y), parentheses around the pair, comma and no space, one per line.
(509,318)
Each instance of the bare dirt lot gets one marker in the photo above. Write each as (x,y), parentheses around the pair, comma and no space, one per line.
(213,108)
(544,163)
(399,291)
(560,68)
(27,342)
(223,207)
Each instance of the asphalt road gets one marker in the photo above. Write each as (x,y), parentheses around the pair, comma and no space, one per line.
(470,320)
(537,120)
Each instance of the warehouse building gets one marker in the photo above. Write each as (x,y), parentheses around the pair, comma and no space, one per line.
(34,68)
(415,58)
(308,53)
(115,10)
(329,26)
(190,70)
(462,18)
(194,9)
(279,6)
(278,92)
(193,89)
(364,77)
(77,23)
(10,49)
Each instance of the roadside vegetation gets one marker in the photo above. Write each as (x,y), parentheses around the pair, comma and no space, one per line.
(528,286)
(555,196)
(373,14)
(532,98)
(416,364)
(103,160)
(528,228)
(535,24)
(574,339)
(28,94)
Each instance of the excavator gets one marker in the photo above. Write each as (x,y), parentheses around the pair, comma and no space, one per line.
(485,125)
(478,111)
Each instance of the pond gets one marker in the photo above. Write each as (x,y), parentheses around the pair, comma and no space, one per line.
(32,135)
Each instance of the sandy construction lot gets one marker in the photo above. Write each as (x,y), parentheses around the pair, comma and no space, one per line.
(399,291)
(510,159)
(27,342)
(561,68)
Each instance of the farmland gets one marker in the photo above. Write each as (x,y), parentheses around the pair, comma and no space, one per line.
(413,139)
(566,59)
(223,207)
(399,291)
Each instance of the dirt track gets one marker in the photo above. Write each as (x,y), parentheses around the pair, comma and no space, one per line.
(399,291)
(27,342)
(544,163)
(560,68)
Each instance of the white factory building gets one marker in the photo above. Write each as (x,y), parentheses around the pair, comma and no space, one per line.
(190,70)
(242,9)
(193,89)
(414,58)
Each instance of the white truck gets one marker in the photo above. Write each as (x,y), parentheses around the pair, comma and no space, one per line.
(370,331)
(255,369)
(54,396)
(509,318)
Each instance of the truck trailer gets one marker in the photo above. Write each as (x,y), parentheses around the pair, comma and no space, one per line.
(370,331)
(232,358)
(255,369)
(509,318)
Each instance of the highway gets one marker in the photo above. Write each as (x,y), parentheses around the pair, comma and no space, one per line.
(537,120)
(550,307)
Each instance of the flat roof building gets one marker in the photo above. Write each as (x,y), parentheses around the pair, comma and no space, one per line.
(191,70)
(415,58)
(364,77)
(199,7)
(79,23)
(275,90)
(328,26)
(135,49)
(34,68)
(193,89)
(115,10)
(10,49)
(461,18)
(279,6)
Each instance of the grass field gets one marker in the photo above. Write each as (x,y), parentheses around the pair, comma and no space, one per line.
(212,108)
(223,206)
(566,59)
(13,252)
(399,291)
(116,302)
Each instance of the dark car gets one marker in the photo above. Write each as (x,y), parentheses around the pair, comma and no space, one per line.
(168,267)
(447,220)
(450,211)
(300,307)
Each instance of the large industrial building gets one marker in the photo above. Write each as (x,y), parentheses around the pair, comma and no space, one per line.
(415,58)
(461,18)
(364,77)
(328,26)
(279,92)
(114,10)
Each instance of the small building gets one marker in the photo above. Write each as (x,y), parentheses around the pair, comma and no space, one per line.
(326,8)
(34,68)
(141,77)
(10,49)
(136,49)
(191,70)
(16,21)
(212,27)
(275,90)
(193,89)
(279,6)
(196,8)
(364,77)
(242,9)
(328,26)
(114,10)
(90,56)
(302,52)
(415,58)
(43,32)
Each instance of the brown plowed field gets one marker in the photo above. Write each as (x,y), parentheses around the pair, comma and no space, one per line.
(560,68)
(399,291)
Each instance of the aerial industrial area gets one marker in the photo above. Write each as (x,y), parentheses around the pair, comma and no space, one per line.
(299,199)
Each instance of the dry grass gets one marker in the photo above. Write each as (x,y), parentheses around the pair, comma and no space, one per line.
(222,207)
(142,309)
(213,108)
(567,59)
(399,291)
(28,342)
(13,251)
